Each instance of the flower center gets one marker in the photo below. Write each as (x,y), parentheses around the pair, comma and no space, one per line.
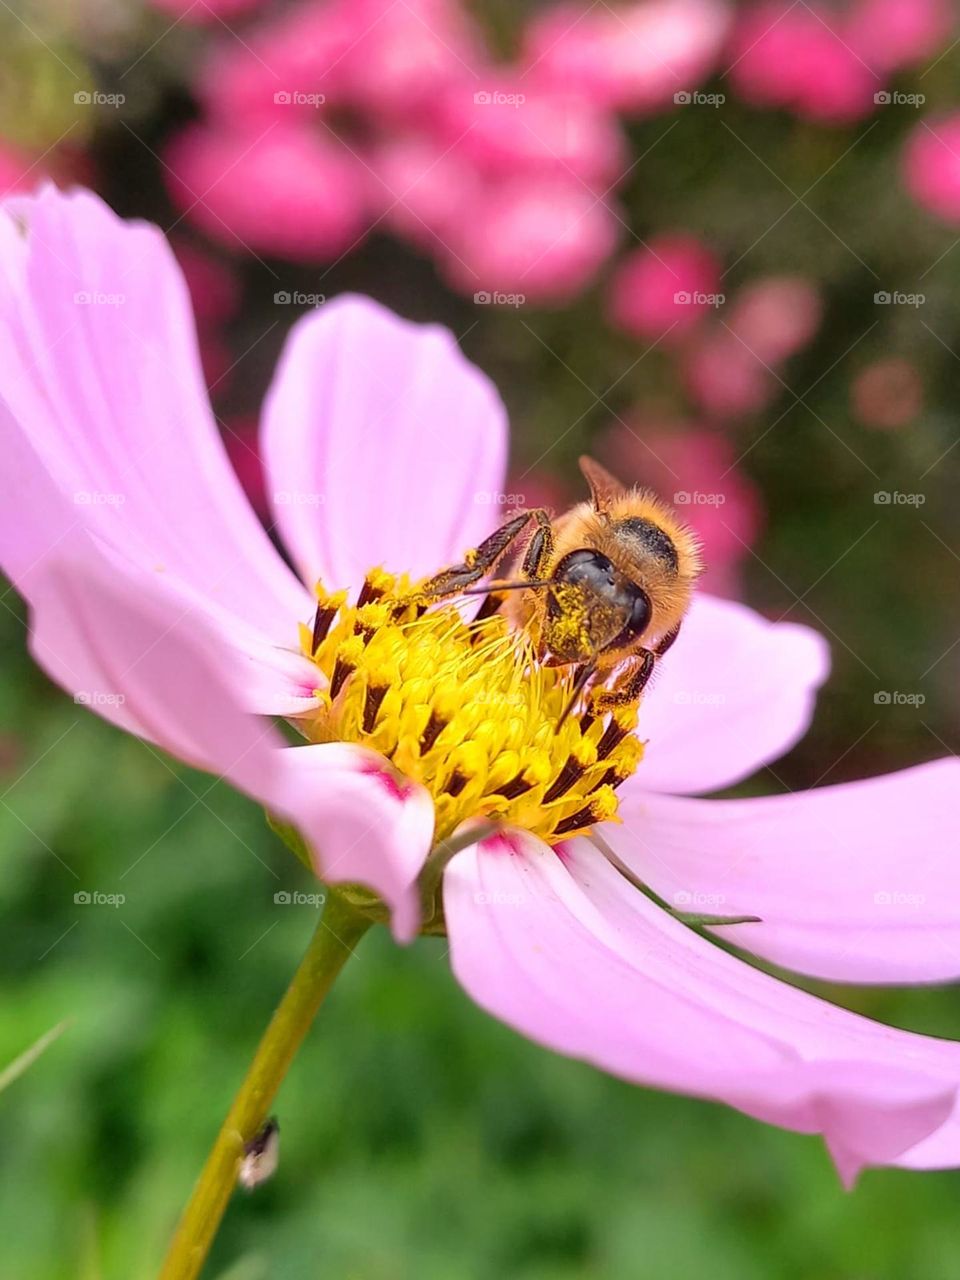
(465,709)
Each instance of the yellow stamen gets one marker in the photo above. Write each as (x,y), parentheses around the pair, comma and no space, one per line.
(466,710)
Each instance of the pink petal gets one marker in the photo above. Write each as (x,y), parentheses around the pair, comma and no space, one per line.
(363,822)
(99,368)
(734,693)
(382,445)
(854,883)
(157,666)
(564,949)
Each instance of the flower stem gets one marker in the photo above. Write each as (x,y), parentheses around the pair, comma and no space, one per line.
(340,928)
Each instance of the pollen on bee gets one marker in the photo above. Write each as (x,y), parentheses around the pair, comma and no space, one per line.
(465,708)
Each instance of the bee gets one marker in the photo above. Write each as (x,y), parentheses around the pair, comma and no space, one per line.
(603,588)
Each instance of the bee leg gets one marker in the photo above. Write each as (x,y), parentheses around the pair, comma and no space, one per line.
(535,558)
(476,564)
(540,547)
(629,685)
(664,643)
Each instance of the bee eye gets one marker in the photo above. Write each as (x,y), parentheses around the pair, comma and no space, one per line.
(640,611)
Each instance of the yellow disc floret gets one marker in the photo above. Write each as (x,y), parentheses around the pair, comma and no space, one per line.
(465,709)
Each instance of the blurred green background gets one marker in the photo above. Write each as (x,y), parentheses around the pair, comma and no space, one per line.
(419,1138)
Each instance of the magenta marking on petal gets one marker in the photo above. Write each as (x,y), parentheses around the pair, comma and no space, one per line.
(397,787)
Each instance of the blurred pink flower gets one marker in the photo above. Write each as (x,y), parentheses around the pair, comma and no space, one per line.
(630,57)
(776,316)
(284,190)
(400,57)
(887,394)
(664,289)
(241,438)
(18,172)
(333,117)
(798,57)
(890,34)
(732,368)
(724,378)
(512,127)
(214,288)
(695,468)
(543,238)
(829,64)
(931,164)
(175,599)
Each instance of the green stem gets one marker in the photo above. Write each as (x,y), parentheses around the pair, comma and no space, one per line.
(340,928)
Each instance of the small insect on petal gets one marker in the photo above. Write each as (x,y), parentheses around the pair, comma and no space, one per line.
(261,1156)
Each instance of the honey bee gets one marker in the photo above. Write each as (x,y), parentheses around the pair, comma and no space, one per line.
(602,587)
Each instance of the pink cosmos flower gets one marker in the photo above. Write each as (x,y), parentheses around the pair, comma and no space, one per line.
(931,163)
(665,288)
(147,574)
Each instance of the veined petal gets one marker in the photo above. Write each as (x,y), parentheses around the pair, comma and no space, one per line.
(560,946)
(157,665)
(854,883)
(382,445)
(734,693)
(100,373)
(48,545)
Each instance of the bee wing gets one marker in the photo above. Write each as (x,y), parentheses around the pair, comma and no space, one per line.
(604,487)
